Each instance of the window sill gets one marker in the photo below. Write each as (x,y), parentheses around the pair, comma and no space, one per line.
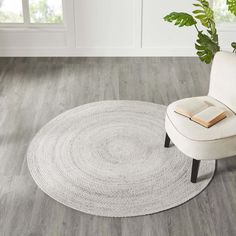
(32,27)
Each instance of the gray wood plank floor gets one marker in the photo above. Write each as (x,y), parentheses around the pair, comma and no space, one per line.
(34,90)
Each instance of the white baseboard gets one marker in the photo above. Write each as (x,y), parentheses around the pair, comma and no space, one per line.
(100,52)
(96,52)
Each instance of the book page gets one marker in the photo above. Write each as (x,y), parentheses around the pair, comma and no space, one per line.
(191,107)
(209,114)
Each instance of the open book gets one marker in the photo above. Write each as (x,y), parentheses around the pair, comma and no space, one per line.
(201,112)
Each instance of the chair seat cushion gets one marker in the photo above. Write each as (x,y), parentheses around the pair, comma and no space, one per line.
(199,142)
(193,131)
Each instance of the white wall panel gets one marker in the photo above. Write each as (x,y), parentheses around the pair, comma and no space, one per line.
(160,34)
(227,35)
(19,38)
(105,23)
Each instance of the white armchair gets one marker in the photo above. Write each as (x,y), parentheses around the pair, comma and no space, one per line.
(219,141)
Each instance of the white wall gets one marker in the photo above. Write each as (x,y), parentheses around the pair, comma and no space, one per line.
(109,28)
(164,37)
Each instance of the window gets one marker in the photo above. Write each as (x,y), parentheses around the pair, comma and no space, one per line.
(11,11)
(222,15)
(45,11)
(31,11)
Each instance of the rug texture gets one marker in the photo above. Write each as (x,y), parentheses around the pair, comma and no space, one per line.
(107,158)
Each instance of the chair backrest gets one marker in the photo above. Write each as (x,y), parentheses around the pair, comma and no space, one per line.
(223,79)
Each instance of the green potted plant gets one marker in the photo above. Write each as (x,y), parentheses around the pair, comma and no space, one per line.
(207,43)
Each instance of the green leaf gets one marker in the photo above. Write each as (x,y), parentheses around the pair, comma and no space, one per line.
(206,48)
(234,46)
(198,11)
(232,6)
(180,19)
(205,14)
(197,5)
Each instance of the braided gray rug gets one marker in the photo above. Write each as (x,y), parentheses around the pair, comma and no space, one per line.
(107,158)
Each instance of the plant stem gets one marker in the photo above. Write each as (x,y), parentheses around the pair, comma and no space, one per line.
(196,28)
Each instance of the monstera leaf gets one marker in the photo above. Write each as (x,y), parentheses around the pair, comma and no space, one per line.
(180,19)
(213,33)
(205,14)
(207,43)
(206,48)
(232,6)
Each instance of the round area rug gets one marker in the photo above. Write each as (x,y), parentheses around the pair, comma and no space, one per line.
(107,158)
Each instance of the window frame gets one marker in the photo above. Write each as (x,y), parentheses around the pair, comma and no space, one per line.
(28,25)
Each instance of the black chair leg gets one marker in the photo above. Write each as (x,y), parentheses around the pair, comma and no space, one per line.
(195,168)
(167,141)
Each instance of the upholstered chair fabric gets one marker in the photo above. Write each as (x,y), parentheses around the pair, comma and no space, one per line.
(223,79)
(216,142)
